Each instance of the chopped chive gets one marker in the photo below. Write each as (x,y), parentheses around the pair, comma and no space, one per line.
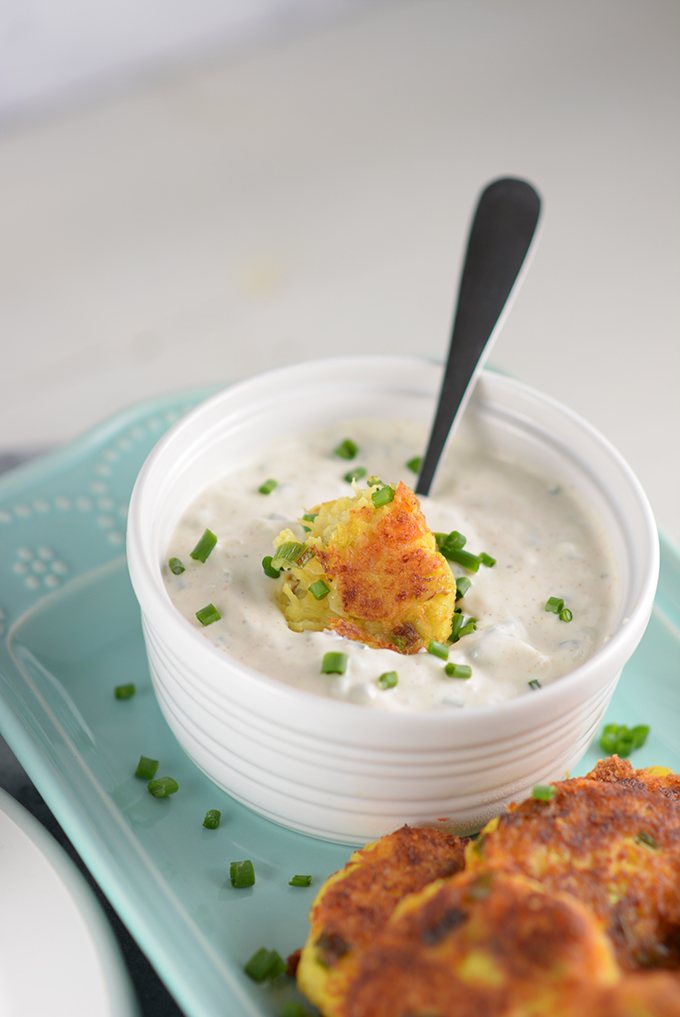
(334,663)
(287,554)
(544,792)
(146,767)
(300,881)
(565,615)
(268,570)
(355,474)
(415,464)
(387,680)
(208,614)
(264,964)
(242,874)
(212,819)
(486,559)
(465,558)
(456,626)
(438,649)
(346,449)
(163,786)
(463,584)
(534,684)
(291,1008)
(373,481)
(383,496)
(458,670)
(124,691)
(639,735)
(268,486)
(618,739)
(646,838)
(310,516)
(470,626)
(204,546)
(319,590)
(554,604)
(176,566)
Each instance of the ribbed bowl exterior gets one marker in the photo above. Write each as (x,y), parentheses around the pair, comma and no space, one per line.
(336,770)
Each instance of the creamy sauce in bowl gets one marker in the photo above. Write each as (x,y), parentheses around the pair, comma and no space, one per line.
(546,539)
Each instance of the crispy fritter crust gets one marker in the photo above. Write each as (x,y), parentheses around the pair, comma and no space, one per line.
(643,994)
(491,944)
(611,839)
(354,905)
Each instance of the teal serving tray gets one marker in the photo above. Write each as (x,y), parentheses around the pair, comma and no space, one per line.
(71,633)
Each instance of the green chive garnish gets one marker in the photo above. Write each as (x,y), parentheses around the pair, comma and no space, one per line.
(544,792)
(486,559)
(300,881)
(646,838)
(242,874)
(268,570)
(639,735)
(287,554)
(176,566)
(208,614)
(310,516)
(355,474)
(291,1008)
(387,680)
(470,626)
(264,964)
(212,819)
(566,615)
(163,786)
(334,663)
(458,670)
(618,739)
(465,558)
(346,449)
(438,649)
(125,691)
(319,590)
(204,546)
(554,604)
(383,496)
(534,684)
(458,629)
(146,767)
(373,481)
(268,486)
(463,584)
(415,464)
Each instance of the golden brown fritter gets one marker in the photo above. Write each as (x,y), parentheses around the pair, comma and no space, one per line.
(611,841)
(355,903)
(389,585)
(642,994)
(491,944)
(654,778)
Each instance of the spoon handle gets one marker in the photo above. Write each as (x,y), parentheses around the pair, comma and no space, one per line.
(501,234)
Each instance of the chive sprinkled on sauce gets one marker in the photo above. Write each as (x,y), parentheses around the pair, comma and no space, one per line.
(383,496)
(300,881)
(347,449)
(438,649)
(534,684)
(319,590)
(212,819)
(163,786)
(543,792)
(204,546)
(242,874)
(387,680)
(356,474)
(458,670)
(554,604)
(208,614)
(463,584)
(565,615)
(268,486)
(486,559)
(334,663)
(146,767)
(415,464)
(176,566)
(125,691)
(268,570)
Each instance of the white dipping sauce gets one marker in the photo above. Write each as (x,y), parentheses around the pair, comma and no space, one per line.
(548,542)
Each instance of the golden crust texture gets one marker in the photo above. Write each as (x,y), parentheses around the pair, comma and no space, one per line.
(354,905)
(389,585)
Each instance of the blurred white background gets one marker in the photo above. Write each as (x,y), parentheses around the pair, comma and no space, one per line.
(194,191)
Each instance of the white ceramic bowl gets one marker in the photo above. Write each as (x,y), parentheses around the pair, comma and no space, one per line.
(338,770)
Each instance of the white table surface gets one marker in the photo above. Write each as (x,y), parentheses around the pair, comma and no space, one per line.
(312,195)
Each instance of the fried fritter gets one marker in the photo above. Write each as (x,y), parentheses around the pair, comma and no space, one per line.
(389,584)
(355,903)
(612,840)
(654,778)
(642,994)
(491,944)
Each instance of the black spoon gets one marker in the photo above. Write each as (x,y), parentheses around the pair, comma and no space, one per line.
(501,236)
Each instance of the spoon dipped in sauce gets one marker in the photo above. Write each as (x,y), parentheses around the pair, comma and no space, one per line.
(502,234)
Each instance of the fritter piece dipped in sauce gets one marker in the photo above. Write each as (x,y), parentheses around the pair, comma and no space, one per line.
(388,585)
(612,840)
(492,944)
(354,905)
